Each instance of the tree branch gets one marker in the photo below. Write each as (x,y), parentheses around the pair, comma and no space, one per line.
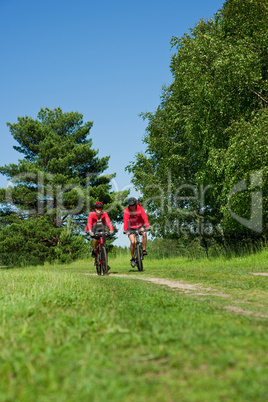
(256,93)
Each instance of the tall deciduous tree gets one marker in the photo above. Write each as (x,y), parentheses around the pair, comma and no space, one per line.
(54,186)
(220,87)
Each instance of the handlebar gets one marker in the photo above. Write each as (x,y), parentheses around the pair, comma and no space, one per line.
(136,231)
(100,234)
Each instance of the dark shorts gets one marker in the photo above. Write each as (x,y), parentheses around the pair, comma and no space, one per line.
(138,228)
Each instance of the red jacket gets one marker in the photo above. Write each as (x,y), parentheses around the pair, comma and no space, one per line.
(133,220)
(92,219)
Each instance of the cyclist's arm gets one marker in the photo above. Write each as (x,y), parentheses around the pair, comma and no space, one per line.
(89,223)
(145,218)
(126,219)
(108,222)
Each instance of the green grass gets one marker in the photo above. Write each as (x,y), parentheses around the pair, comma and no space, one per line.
(66,336)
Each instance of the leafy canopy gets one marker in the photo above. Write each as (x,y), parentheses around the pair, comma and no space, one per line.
(214,112)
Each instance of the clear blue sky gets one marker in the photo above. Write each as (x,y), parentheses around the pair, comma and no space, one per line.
(105,59)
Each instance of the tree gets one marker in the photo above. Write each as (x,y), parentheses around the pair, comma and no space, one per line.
(241,172)
(220,77)
(55,184)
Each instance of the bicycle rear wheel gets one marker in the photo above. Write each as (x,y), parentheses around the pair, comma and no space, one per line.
(139,258)
(104,261)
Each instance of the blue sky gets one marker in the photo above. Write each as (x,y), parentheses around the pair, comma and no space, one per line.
(105,59)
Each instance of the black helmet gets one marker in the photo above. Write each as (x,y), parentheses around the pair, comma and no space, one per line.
(132,201)
(98,204)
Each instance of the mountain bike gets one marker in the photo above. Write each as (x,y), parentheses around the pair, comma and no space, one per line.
(138,246)
(101,260)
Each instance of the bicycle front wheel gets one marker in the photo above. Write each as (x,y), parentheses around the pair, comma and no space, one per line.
(104,261)
(139,258)
(97,264)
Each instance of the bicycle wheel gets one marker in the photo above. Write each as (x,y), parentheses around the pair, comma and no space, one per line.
(139,258)
(98,266)
(104,261)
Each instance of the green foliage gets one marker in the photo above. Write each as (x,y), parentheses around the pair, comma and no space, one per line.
(70,246)
(118,251)
(31,241)
(171,248)
(246,154)
(210,130)
(57,181)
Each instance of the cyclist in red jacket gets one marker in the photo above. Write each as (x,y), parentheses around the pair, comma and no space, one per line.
(95,222)
(135,218)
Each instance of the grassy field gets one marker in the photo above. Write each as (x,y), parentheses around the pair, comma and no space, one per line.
(66,336)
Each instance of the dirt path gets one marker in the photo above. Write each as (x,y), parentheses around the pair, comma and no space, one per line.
(193,290)
(183,286)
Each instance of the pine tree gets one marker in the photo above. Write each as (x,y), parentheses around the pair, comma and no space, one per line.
(54,185)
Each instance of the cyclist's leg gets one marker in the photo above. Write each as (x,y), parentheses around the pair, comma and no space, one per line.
(95,244)
(132,245)
(144,240)
(95,247)
(95,241)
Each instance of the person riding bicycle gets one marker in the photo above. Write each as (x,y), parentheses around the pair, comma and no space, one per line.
(96,221)
(135,218)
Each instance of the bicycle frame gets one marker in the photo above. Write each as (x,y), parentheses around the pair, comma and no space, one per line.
(138,246)
(101,262)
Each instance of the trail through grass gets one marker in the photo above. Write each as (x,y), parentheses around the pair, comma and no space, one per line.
(66,336)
